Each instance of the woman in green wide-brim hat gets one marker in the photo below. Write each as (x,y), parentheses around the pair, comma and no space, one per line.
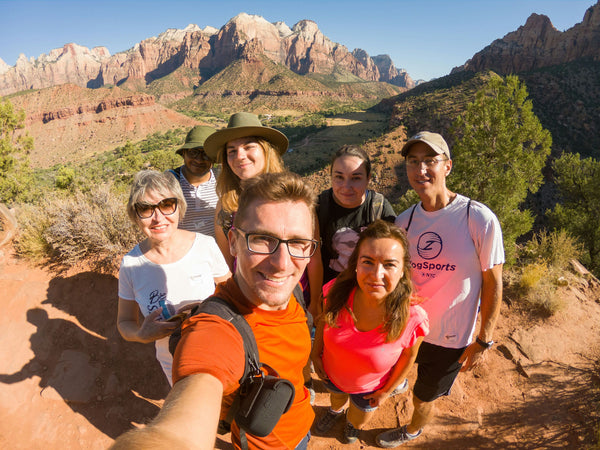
(244,149)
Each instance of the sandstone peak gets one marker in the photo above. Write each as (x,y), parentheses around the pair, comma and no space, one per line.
(23,61)
(284,30)
(539,44)
(307,28)
(175,34)
(592,16)
(249,19)
(3,66)
(74,51)
(391,73)
(302,48)
(210,30)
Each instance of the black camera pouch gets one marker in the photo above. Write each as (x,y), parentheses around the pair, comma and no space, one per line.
(263,400)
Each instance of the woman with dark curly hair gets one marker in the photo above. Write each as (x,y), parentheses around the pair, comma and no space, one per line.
(369,333)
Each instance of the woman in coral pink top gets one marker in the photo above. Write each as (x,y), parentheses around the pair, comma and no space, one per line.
(369,333)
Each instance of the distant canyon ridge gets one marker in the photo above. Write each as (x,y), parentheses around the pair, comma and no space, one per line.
(80,102)
(303,49)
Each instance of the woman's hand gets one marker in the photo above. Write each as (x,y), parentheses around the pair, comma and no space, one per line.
(318,366)
(377,398)
(154,327)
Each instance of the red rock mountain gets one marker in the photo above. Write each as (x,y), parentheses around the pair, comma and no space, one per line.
(303,49)
(70,64)
(539,44)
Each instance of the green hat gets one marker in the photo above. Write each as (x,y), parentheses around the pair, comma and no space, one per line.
(241,125)
(196,137)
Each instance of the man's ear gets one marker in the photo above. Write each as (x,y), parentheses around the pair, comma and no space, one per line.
(232,239)
(448,167)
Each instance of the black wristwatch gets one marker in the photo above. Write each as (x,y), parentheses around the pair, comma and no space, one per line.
(484,344)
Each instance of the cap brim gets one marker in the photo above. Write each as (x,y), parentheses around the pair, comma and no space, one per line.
(410,142)
(217,140)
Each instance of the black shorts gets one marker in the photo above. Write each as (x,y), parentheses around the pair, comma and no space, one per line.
(438,367)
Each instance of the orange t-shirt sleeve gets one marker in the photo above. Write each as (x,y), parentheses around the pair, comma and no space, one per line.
(210,345)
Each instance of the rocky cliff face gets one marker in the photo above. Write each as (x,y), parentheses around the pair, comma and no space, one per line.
(303,49)
(538,44)
(70,64)
(70,123)
(391,74)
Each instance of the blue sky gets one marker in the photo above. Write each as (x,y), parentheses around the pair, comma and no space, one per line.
(426,37)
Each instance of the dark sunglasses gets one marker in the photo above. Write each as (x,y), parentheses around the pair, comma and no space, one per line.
(197,153)
(166,206)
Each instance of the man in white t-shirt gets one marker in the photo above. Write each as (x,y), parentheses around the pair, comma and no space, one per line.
(457,256)
(198,182)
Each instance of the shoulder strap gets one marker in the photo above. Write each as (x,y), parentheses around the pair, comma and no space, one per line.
(410,218)
(469,226)
(177,173)
(323,207)
(299,295)
(227,311)
(377,200)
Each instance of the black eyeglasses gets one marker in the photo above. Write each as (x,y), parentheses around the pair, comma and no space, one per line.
(264,244)
(166,206)
(197,153)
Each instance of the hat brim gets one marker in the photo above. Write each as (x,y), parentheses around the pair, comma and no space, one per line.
(217,140)
(410,142)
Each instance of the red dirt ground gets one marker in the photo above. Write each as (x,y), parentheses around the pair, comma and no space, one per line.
(68,380)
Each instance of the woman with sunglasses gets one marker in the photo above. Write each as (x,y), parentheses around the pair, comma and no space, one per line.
(168,271)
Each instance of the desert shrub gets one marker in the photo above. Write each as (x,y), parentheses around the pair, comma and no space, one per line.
(556,248)
(31,242)
(532,275)
(91,227)
(538,286)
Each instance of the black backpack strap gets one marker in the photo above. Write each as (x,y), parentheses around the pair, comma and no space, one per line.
(299,294)
(227,311)
(323,207)
(411,217)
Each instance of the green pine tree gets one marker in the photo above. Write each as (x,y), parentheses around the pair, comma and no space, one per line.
(500,148)
(578,181)
(15,174)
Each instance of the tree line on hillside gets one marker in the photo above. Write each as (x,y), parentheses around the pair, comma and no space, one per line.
(500,149)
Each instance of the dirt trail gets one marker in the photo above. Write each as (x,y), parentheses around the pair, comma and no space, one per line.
(69,381)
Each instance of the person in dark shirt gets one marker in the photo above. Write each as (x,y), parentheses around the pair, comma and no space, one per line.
(347,208)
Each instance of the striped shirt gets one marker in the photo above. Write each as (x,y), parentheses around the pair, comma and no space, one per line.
(201,205)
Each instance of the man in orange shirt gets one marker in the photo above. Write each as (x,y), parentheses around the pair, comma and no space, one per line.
(272,240)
